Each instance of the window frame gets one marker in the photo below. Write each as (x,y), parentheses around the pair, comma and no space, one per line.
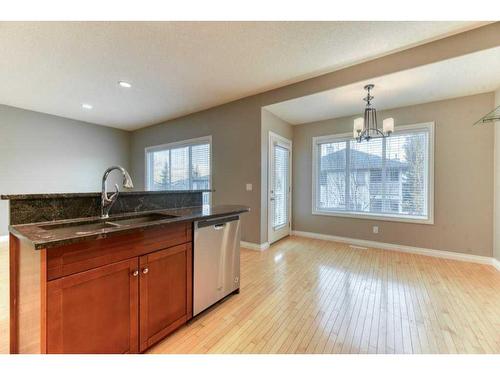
(178,144)
(429,126)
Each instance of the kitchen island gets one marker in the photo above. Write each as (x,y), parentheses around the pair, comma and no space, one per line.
(95,285)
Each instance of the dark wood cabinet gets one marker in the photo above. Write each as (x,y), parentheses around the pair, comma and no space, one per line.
(94,311)
(113,295)
(165,293)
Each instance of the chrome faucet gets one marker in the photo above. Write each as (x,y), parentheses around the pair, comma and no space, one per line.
(108,201)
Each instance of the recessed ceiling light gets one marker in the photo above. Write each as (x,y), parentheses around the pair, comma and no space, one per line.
(124,84)
(87,106)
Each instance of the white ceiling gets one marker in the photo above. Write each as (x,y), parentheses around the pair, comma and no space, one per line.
(177,68)
(465,75)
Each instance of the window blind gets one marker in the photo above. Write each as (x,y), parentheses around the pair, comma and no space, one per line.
(184,166)
(280,186)
(384,176)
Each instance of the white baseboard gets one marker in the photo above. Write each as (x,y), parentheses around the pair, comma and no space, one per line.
(4,238)
(496,264)
(254,246)
(403,248)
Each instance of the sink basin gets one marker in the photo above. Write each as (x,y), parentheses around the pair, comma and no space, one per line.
(80,228)
(76,228)
(140,219)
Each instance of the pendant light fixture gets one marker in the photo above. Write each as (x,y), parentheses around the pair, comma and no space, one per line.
(366,128)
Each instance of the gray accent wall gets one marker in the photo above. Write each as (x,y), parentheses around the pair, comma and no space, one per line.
(41,153)
(463,188)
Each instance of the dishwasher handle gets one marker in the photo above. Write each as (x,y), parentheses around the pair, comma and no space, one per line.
(219,226)
(216,222)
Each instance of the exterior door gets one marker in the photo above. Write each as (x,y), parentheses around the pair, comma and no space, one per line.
(279,182)
(166,298)
(100,309)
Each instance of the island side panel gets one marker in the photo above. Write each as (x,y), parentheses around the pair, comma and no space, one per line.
(13,282)
(189,289)
(28,295)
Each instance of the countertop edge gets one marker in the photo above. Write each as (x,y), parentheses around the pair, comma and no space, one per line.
(40,244)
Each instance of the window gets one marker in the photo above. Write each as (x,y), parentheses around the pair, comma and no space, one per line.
(394,206)
(386,178)
(375,175)
(393,175)
(182,165)
(376,205)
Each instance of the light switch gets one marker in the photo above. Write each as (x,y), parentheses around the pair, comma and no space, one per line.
(249,187)
(375,229)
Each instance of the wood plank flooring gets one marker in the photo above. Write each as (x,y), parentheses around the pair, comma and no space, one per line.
(313,296)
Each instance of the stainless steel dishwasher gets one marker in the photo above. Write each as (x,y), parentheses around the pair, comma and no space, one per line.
(216,260)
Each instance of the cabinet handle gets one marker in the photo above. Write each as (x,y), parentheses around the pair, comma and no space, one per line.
(145,270)
(135,273)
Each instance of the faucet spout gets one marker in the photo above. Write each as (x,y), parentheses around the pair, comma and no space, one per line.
(108,201)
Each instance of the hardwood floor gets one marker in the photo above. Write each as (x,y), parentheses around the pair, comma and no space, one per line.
(313,296)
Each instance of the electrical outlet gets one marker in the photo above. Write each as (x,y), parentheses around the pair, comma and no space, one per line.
(249,187)
(375,229)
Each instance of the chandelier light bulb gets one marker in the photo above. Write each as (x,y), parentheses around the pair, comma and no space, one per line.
(388,125)
(358,126)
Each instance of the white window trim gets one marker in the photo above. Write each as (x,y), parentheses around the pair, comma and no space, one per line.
(166,146)
(383,217)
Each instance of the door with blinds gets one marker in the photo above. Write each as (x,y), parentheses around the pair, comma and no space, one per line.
(279,192)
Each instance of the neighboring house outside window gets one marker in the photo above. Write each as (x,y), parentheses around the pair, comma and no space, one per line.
(184,165)
(388,178)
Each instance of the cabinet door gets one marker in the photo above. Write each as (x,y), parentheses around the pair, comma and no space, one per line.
(166,300)
(95,311)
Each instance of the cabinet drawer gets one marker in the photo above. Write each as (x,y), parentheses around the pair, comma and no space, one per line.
(82,256)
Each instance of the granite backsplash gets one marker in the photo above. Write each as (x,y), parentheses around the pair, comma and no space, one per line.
(35,208)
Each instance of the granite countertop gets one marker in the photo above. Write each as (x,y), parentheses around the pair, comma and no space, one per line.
(69,231)
(95,194)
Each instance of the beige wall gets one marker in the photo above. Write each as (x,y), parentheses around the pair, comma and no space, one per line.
(269,123)
(463,188)
(236,129)
(496,191)
(235,154)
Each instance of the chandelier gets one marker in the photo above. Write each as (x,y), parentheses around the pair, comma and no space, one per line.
(366,128)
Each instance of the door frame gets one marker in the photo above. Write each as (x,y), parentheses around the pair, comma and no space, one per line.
(272,137)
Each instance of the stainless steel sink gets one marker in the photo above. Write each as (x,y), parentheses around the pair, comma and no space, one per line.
(80,228)
(76,228)
(140,219)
